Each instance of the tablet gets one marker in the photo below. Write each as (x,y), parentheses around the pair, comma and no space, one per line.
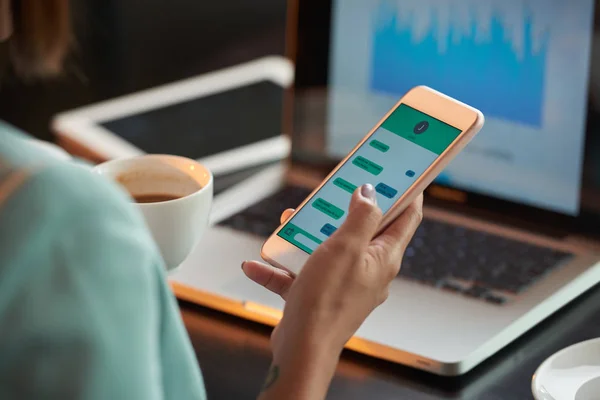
(229,119)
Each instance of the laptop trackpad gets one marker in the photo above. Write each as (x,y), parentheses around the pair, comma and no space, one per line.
(215,267)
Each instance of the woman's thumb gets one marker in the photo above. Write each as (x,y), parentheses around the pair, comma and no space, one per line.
(364,216)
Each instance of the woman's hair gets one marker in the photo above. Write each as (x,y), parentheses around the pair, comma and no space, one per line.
(41,37)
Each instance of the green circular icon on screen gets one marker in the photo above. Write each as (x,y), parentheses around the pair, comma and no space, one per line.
(421,127)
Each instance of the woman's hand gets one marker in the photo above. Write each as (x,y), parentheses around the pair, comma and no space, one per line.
(274,279)
(342,282)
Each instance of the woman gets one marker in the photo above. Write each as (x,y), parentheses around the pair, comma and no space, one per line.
(85,308)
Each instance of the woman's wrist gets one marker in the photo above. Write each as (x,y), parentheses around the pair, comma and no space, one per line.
(312,347)
(315,342)
(302,368)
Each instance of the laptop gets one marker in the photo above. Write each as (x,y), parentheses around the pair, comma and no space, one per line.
(511,228)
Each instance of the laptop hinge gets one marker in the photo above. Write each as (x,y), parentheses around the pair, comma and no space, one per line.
(582,241)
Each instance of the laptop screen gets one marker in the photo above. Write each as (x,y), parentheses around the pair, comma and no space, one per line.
(524,64)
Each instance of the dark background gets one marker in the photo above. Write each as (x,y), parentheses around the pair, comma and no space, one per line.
(128,45)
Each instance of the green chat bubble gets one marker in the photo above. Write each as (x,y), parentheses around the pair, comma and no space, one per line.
(344,184)
(379,146)
(328,208)
(367,165)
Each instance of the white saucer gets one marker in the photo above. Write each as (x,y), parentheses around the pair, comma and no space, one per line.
(571,374)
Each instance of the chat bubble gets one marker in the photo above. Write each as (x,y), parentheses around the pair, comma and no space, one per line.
(379,145)
(386,190)
(328,229)
(367,165)
(344,184)
(328,208)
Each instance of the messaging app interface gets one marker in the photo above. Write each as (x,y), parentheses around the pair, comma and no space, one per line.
(391,159)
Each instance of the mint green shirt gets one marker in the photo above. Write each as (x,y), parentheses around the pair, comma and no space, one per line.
(85,308)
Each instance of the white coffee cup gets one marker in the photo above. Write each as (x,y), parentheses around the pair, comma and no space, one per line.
(176,225)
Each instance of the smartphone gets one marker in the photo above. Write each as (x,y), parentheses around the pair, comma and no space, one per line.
(400,157)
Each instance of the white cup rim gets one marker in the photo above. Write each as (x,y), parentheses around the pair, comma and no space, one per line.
(205,186)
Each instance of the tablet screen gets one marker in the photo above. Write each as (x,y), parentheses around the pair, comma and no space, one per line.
(208,125)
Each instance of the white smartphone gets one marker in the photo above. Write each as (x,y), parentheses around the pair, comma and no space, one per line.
(400,157)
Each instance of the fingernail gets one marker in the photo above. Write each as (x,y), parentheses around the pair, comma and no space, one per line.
(368,191)
(243,263)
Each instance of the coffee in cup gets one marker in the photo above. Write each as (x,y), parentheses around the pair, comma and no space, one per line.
(174,194)
(155,197)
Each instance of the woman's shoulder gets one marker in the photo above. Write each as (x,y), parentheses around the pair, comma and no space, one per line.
(75,189)
(18,148)
(44,198)
(64,204)
(52,183)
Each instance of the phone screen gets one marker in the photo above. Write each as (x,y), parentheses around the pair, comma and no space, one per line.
(391,159)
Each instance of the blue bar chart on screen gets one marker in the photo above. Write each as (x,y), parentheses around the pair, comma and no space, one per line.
(500,53)
(524,63)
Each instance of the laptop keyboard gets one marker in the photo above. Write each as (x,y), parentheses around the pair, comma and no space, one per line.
(446,256)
